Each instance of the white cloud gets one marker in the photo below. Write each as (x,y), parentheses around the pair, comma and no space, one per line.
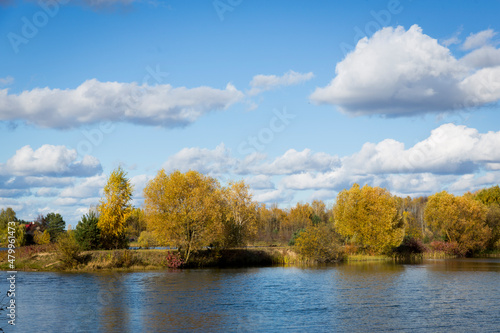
(220,161)
(65,201)
(49,160)
(47,192)
(398,72)
(204,160)
(479,39)
(262,82)
(273,196)
(472,182)
(13,193)
(427,167)
(324,195)
(139,182)
(260,182)
(486,56)
(88,188)
(293,161)
(5,81)
(94,101)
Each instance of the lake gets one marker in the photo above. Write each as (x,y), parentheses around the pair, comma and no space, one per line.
(459,295)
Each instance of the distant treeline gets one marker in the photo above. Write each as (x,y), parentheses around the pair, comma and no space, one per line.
(191,211)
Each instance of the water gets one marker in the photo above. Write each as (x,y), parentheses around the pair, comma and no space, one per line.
(436,296)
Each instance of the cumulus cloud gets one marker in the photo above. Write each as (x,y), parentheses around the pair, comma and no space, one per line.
(139,182)
(273,196)
(220,161)
(216,161)
(260,182)
(398,72)
(262,83)
(88,188)
(450,151)
(49,160)
(293,161)
(486,56)
(479,39)
(94,101)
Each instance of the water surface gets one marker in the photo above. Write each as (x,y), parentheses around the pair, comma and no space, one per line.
(459,295)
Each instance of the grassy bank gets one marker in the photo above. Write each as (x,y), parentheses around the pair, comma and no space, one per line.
(46,258)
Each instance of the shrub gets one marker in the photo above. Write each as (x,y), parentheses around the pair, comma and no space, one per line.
(449,248)
(41,238)
(318,243)
(174,260)
(68,249)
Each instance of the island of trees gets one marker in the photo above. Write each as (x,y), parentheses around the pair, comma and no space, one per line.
(194,216)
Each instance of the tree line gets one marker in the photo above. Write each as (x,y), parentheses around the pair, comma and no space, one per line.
(190,211)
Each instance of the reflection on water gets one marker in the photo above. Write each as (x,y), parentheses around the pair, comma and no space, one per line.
(434,296)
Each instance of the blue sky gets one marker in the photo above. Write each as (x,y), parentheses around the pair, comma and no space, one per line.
(301,99)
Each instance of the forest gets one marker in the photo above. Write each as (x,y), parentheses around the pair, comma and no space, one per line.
(192,212)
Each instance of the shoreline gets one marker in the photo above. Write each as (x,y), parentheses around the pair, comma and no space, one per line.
(154,259)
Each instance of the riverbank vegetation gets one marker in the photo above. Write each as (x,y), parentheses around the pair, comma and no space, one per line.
(208,224)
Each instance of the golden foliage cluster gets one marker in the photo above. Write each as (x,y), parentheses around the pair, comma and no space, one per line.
(369,217)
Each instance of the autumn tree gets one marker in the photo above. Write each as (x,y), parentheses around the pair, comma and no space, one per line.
(269,221)
(41,238)
(184,210)
(114,209)
(299,217)
(460,220)
(241,216)
(7,215)
(136,223)
(320,213)
(369,217)
(491,198)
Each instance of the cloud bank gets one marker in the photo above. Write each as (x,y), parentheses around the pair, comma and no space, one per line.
(94,101)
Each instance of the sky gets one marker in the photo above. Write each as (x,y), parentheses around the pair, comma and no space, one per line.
(300,99)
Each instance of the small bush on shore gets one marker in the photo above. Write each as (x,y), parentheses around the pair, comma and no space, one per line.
(174,260)
(318,243)
(68,250)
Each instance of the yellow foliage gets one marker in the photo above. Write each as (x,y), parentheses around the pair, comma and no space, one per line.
(319,244)
(41,238)
(369,217)
(115,208)
(459,219)
(241,216)
(184,209)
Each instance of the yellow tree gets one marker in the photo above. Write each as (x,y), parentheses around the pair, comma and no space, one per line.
(114,209)
(184,210)
(299,217)
(41,238)
(241,218)
(270,222)
(459,219)
(369,217)
(320,212)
